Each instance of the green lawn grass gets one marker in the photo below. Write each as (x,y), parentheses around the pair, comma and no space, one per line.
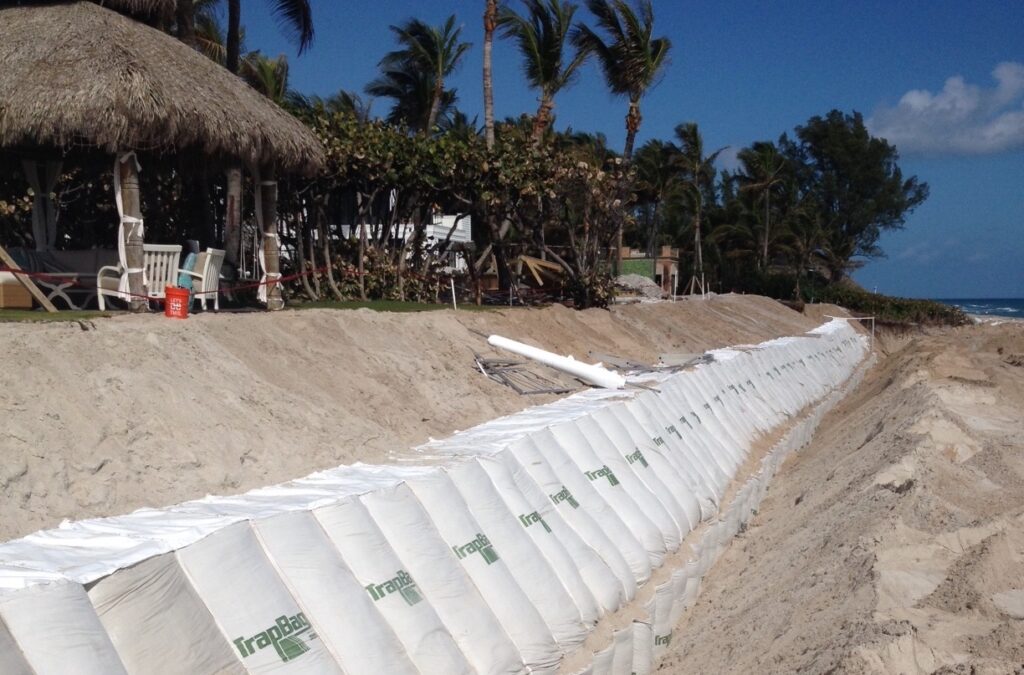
(14,315)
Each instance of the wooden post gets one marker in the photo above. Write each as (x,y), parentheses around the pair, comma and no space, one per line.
(271,243)
(133,251)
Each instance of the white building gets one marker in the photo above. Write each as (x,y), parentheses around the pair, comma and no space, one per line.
(435,232)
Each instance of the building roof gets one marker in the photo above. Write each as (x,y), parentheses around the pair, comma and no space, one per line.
(78,74)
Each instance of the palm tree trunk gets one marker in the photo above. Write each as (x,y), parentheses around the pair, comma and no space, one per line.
(435,105)
(767,215)
(133,249)
(543,118)
(271,243)
(185,18)
(633,119)
(490,22)
(234,35)
(233,216)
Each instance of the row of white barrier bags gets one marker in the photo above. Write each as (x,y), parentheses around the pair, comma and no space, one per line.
(502,558)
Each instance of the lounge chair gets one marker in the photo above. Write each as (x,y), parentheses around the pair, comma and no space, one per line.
(59,280)
(205,274)
(161,264)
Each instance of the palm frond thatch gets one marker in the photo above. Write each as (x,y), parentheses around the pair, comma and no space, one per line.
(77,74)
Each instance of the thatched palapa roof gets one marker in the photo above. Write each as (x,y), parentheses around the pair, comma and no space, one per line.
(78,74)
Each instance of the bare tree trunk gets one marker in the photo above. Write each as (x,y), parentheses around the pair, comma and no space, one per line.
(271,243)
(490,23)
(312,259)
(321,221)
(133,251)
(234,35)
(300,249)
(362,245)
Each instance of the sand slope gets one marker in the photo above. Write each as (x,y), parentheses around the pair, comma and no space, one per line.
(895,542)
(144,411)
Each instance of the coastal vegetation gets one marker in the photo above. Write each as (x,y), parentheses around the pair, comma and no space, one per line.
(792,218)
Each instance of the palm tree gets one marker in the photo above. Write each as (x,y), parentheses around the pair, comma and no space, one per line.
(631,59)
(541,38)
(267,76)
(295,16)
(413,92)
(490,23)
(657,179)
(763,170)
(699,176)
(343,102)
(434,52)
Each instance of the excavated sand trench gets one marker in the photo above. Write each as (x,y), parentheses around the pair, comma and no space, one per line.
(894,543)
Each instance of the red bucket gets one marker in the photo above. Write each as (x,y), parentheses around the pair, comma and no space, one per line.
(176,302)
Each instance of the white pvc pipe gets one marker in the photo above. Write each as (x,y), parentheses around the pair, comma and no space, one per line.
(596,375)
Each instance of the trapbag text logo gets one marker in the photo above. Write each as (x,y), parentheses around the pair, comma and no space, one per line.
(564,495)
(288,636)
(528,519)
(603,472)
(402,584)
(482,545)
(637,457)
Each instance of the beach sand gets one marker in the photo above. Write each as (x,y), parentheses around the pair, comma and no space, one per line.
(894,543)
(103,418)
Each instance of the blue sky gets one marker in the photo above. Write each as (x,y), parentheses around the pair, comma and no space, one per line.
(943,80)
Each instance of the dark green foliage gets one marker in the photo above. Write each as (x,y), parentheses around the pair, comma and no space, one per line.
(887,309)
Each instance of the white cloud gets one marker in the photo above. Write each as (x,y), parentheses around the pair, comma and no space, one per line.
(962,119)
(727,160)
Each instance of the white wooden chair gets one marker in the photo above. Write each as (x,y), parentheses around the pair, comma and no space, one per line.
(161,264)
(206,277)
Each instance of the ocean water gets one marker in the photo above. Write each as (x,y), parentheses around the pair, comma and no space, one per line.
(1010,307)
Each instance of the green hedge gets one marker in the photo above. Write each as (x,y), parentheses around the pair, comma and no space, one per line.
(887,309)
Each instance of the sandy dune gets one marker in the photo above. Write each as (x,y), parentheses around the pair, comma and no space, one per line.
(895,542)
(144,411)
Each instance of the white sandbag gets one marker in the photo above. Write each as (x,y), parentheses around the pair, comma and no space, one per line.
(643,649)
(564,474)
(606,482)
(514,482)
(691,452)
(604,661)
(657,474)
(394,591)
(443,580)
(679,577)
(664,597)
(154,616)
(685,478)
(255,612)
(486,564)
(622,658)
(12,661)
(57,631)
(344,613)
(627,464)
(528,564)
